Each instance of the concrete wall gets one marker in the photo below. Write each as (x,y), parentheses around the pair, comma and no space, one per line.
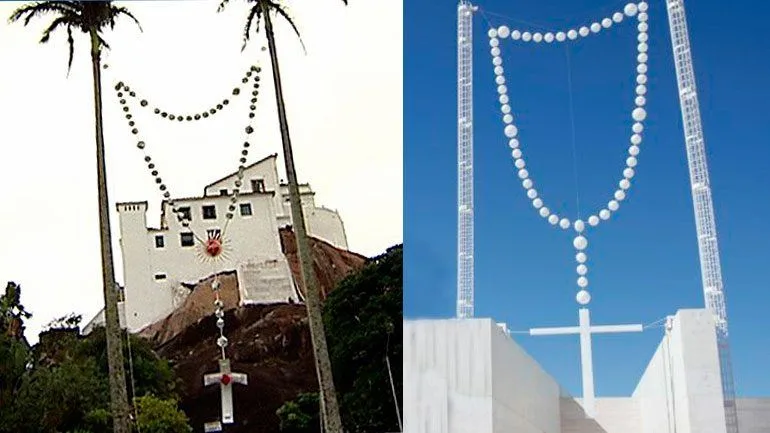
(461,357)
(613,415)
(753,415)
(680,390)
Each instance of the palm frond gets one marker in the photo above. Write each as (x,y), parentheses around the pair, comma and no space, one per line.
(117,11)
(256,11)
(37,9)
(281,10)
(71,42)
(53,26)
(222,5)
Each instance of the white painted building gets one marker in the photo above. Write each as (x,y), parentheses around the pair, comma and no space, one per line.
(159,261)
(470,376)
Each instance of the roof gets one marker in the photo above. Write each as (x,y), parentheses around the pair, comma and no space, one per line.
(275,155)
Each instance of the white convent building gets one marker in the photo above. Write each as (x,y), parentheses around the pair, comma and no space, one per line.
(159,261)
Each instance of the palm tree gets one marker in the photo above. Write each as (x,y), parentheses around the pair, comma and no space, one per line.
(92,17)
(330,412)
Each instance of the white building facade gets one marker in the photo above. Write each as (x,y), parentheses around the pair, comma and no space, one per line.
(159,262)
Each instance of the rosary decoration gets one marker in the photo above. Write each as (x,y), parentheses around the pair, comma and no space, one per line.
(212,247)
(638,114)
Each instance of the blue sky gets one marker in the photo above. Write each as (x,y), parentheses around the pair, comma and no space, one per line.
(643,263)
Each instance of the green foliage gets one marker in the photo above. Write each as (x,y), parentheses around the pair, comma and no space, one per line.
(11,309)
(160,416)
(70,321)
(300,415)
(364,323)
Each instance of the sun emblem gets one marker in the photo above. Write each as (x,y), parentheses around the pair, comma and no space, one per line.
(214,247)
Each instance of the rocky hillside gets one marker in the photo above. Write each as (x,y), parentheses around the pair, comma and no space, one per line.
(271,343)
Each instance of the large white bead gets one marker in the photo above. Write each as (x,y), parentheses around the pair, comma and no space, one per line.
(544,212)
(620,195)
(561,36)
(643,37)
(527,183)
(572,34)
(637,128)
(497,61)
(639,114)
(492,33)
(579,226)
(628,173)
(613,205)
(505,108)
(526,36)
(606,23)
(516,153)
(617,17)
(631,161)
(582,282)
(508,119)
(494,42)
(642,58)
(580,243)
(604,214)
(537,203)
(523,173)
(642,47)
(516,35)
(503,31)
(624,184)
(581,257)
(513,143)
(553,219)
(583,297)
(532,193)
(636,139)
(548,37)
(500,80)
(511,131)
(641,90)
(593,220)
(520,164)
(641,68)
(633,150)
(630,10)
(504,99)
(643,27)
(499,70)
(643,17)
(596,27)
(537,37)
(502,89)
(564,223)
(640,101)
(584,31)
(641,79)
(643,6)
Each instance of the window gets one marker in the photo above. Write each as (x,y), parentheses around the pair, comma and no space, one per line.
(159,277)
(160,242)
(209,212)
(223,192)
(246,209)
(187,239)
(258,185)
(185,213)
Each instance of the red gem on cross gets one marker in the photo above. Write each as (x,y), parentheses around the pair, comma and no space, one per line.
(213,247)
(226,379)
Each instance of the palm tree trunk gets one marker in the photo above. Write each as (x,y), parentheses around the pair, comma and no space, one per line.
(118,394)
(330,411)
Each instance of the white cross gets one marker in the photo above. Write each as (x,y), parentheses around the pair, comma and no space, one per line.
(586,358)
(225,378)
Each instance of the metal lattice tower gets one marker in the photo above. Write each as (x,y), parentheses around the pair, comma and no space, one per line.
(711,272)
(465,159)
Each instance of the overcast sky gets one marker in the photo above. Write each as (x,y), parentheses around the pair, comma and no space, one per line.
(344,102)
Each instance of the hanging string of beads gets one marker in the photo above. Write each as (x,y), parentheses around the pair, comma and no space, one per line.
(212,244)
(220,315)
(638,115)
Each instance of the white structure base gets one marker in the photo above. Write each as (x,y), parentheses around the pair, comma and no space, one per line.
(468,376)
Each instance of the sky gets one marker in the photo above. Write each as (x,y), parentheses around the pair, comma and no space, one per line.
(344,105)
(643,263)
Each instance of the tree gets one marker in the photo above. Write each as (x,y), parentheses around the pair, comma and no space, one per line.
(364,315)
(261,10)
(91,18)
(365,321)
(160,416)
